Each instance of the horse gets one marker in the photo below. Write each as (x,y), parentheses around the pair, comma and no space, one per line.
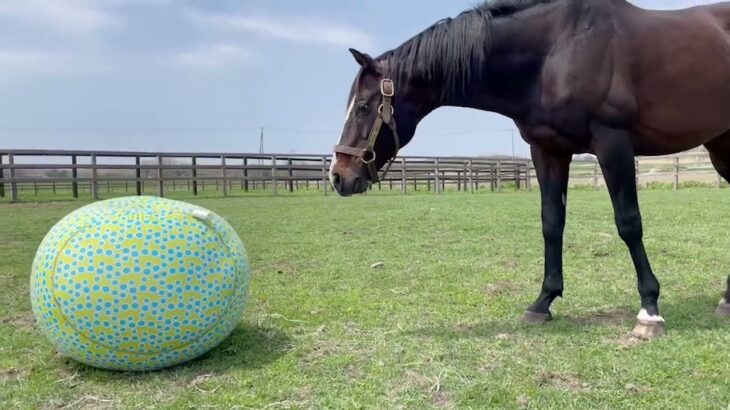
(601,77)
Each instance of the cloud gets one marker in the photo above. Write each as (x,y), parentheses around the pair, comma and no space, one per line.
(63,16)
(216,56)
(27,63)
(304,30)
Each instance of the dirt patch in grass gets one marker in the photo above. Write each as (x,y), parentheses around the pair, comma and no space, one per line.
(13,375)
(637,389)
(431,386)
(500,288)
(511,264)
(282,268)
(10,243)
(612,317)
(563,381)
(25,321)
(321,350)
(627,341)
(86,401)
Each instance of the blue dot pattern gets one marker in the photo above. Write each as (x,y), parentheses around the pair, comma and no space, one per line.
(139,283)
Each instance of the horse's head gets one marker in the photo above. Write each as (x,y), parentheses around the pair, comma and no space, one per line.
(370,137)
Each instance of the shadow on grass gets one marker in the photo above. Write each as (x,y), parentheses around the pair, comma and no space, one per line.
(248,347)
(693,313)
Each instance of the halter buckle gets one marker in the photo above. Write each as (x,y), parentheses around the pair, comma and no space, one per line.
(387,87)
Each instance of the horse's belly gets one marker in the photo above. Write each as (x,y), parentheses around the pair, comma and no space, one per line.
(648,141)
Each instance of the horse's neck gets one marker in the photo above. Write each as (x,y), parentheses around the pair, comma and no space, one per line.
(510,73)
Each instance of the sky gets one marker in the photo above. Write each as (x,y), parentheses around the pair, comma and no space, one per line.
(206,75)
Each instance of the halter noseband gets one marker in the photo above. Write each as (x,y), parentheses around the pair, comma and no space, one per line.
(385,116)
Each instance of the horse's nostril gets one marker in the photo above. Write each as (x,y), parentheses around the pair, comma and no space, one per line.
(357,183)
(336,180)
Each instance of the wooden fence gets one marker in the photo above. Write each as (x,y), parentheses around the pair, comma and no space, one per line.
(137,173)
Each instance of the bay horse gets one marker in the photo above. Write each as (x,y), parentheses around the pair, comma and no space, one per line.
(603,77)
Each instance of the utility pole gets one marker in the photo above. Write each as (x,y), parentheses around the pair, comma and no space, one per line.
(261,146)
(513,143)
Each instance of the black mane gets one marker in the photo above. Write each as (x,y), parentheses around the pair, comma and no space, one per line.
(453,48)
(506,7)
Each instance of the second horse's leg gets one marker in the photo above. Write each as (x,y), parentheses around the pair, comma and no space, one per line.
(719,150)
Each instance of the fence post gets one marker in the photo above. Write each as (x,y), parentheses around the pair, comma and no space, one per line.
(528,176)
(195,176)
(595,174)
(138,175)
(291,175)
(324,175)
(74,177)
(245,174)
(273,174)
(719,180)
(499,176)
(437,176)
(403,181)
(94,182)
(636,170)
(471,176)
(161,183)
(2,184)
(676,173)
(223,174)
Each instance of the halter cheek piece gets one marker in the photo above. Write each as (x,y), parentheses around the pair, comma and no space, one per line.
(385,116)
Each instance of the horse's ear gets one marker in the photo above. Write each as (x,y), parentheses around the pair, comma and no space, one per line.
(364,60)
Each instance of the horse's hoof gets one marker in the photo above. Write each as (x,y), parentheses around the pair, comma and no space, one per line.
(723,309)
(647,330)
(535,318)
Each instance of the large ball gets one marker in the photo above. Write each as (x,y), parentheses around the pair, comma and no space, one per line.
(139,283)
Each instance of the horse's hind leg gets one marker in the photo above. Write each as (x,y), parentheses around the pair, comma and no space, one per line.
(719,149)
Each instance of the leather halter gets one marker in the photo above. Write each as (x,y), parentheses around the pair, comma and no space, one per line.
(385,116)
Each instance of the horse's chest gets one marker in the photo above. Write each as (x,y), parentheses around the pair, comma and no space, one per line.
(565,128)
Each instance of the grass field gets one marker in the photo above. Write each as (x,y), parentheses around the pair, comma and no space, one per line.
(437,327)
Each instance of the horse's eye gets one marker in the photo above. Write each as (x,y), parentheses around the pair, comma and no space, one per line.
(362,108)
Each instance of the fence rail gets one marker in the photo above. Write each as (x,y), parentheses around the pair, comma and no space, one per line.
(23,171)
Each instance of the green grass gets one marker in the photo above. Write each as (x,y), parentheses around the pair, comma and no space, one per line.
(437,327)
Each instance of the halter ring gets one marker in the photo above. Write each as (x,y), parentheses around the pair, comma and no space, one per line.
(367,152)
(380,110)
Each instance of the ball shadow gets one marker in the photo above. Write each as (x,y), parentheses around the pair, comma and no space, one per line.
(248,347)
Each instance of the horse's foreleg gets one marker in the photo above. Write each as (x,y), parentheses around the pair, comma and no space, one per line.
(719,150)
(615,152)
(552,173)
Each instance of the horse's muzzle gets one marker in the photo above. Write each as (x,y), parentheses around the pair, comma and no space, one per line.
(348,186)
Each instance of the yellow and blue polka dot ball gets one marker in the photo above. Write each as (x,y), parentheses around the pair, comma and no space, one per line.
(139,283)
